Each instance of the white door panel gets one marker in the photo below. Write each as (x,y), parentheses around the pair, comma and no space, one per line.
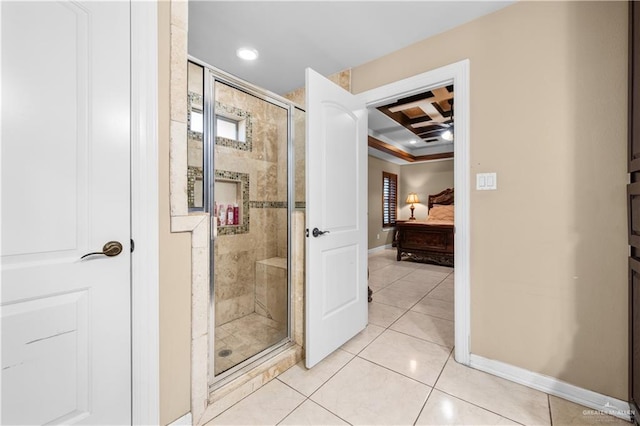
(66,345)
(336,265)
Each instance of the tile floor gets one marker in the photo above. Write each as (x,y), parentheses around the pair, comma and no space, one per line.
(400,370)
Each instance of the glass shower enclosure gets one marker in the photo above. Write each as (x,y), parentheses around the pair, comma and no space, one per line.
(240,153)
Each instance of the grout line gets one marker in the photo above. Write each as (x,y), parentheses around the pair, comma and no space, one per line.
(333,375)
(452,359)
(550,413)
(422,339)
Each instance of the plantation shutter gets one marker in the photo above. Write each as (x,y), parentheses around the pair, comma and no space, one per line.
(389,199)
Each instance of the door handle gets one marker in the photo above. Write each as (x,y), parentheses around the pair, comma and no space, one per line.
(316,232)
(110,249)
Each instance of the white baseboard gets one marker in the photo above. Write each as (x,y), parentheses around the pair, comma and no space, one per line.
(185,420)
(380,248)
(596,401)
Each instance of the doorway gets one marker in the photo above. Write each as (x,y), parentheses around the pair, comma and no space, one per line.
(456,74)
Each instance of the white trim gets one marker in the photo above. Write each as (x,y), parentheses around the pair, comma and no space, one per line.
(458,74)
(144,215)
(185,420)
(553,386)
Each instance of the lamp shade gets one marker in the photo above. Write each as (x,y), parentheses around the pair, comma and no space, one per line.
(412,198)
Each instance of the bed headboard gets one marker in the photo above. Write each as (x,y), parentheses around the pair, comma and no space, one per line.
(443,198)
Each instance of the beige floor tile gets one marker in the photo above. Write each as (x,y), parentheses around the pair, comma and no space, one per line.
(565,412)
(362,339)
(379,262)
(375,287)
(383,315)
(311,414)
(444,291)
(435,308)
(426,276)
(426,327)
(266,406)
(397,298)
(436,268)
(306,381)
(443,409)
(363,393)
(419,288)
(389,274)
(508,399)
(415,358)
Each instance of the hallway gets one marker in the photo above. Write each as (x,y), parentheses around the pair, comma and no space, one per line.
(400,370)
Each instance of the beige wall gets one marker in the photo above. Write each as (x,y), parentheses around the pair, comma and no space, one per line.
(548,248)
(175,261)
(424,179)
(376,167)
(421,178)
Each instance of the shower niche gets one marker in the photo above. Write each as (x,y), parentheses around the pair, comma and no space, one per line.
(240,155)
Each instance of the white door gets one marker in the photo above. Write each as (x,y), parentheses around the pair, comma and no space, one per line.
(65,339)
(336,191)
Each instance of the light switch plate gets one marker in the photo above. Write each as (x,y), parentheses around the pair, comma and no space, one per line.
(486,181)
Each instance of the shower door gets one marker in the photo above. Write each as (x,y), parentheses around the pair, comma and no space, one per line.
(246,155)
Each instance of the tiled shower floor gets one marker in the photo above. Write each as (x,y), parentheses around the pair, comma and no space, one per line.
(245,337)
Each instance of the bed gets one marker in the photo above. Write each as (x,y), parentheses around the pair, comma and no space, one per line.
(429,241)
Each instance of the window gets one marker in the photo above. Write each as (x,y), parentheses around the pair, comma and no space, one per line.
(227,128)
(389,199)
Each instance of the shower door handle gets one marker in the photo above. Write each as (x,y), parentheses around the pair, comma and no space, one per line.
(316,232)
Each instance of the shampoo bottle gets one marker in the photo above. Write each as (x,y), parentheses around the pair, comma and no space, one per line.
(236,215)
(222,215)
(230,220)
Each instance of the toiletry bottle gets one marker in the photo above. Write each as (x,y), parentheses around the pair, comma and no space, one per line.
(236,214)
(230,220)
(222,215)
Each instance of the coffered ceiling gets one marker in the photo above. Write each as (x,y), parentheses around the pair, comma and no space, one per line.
(419,127)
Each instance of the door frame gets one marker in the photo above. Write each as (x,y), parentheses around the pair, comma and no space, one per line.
(458,75)
(145,321)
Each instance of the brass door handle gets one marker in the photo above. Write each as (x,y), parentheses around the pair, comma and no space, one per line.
(110,249)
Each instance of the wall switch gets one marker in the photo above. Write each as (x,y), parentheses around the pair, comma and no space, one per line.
(378,236)
(486,181)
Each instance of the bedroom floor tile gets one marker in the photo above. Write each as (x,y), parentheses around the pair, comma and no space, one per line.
(414,287)
(426,327)
(397,298)
(435,307)
(444,291)
(383,315)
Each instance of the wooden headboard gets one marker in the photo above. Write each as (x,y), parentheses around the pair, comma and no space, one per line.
(444,198)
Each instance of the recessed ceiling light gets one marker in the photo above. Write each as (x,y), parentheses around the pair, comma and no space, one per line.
(247,53)
(412,141)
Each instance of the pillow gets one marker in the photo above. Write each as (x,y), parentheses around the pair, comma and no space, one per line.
(439,212)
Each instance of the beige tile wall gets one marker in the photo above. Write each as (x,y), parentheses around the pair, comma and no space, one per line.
(266,164)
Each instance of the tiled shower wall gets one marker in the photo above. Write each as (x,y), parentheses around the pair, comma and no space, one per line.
(266,164)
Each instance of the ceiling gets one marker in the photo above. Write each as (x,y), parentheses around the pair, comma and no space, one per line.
(328,36)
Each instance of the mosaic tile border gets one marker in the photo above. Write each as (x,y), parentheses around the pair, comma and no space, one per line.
(194,101)
(193,174)
(243,178)
(239,114)
(268,204)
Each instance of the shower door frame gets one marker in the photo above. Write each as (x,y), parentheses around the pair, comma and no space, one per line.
(212,75)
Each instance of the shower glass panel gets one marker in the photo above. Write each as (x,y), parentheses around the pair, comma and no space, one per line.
(247,152)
